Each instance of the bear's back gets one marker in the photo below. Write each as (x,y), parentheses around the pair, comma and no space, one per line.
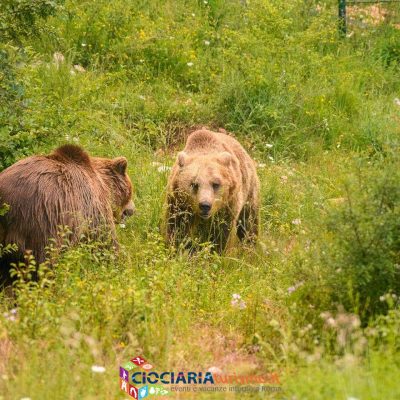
(46,192)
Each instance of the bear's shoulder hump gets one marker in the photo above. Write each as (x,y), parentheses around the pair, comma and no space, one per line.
(71,153)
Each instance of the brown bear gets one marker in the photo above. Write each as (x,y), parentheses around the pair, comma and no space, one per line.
(67,188)
(212,193)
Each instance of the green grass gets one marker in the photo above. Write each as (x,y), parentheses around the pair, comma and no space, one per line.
(316,111)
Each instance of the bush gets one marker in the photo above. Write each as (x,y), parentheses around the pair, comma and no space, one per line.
(364,256)
(19,18)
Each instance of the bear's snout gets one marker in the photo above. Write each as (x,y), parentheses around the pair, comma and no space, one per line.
(129,210)
(205,209)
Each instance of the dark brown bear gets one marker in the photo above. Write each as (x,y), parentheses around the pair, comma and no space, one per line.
(67,188)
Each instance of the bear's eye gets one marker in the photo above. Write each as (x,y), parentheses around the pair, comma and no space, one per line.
(216,185)
(194,186)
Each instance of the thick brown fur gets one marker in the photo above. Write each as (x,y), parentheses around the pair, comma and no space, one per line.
(212,171)
(67,188)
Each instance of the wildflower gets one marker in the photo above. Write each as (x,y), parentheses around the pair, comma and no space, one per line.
(83,45)
(98,369)
(331,322)
(215,370)
(382,298)
(397,101)
(141,97)
(352,398)
(261,165)
(237,302)
(122,226)
(271,158)
(291,289)
(207,42)
(163,168)
(79,68)
(269,145)
(296,221)
(190,64)
(12,315)
(75,139)
(58,58)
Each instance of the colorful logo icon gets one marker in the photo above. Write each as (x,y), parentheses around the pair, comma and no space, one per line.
(129,387)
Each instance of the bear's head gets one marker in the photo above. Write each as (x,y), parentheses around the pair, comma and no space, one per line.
(113,172)
(206,181)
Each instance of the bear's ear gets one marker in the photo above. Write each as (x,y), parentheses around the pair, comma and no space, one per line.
(225,158)
(120,164)
(182,156)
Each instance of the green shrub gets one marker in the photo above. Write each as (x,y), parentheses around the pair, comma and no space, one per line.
(364,255)
(19,18)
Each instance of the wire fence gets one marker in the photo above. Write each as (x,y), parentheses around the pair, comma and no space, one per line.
(342,10)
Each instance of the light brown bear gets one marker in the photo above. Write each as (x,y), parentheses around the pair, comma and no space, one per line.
(67,188)
(212,193)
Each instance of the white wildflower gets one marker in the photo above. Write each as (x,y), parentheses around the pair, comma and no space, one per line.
(269,145)
(98,369)
(190,64)
(215,370)
(79,68)
(207,42)
(296,221)
(58,58)
(163,168)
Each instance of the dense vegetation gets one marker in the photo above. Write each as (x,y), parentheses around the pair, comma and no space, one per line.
(320,114)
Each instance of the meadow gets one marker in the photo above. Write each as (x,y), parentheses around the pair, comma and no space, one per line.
(317,300)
